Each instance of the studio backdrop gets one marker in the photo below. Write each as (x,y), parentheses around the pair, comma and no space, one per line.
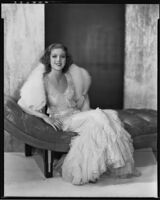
(94,35)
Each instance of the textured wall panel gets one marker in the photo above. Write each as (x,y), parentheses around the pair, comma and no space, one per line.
(141,56)
(23,44)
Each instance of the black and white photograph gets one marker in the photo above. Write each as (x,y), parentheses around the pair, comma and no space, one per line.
(80,99)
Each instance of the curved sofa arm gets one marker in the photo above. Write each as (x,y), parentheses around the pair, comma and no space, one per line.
(32,130)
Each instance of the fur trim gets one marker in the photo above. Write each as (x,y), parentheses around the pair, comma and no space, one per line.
(81,80)
(33,93)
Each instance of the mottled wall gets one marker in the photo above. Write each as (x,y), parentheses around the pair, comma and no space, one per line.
(23,44)
(140,89)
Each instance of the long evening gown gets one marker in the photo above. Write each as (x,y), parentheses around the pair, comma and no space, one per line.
(102,144)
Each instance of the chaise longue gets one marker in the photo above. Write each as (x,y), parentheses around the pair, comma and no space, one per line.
(35,133)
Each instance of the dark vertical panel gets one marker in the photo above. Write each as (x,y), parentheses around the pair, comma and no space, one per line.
(94,34)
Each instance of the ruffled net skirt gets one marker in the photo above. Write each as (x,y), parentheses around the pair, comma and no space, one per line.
(103,145)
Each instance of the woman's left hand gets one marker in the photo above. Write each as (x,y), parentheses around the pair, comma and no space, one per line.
(80,101)
(58,124)
(55,123)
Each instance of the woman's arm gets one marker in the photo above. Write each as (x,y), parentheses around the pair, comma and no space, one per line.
(33,112)
(80,102)
(83,103)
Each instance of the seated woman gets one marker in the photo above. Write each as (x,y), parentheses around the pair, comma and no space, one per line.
(102,144)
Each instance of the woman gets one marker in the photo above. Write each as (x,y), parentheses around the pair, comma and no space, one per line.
(102,144)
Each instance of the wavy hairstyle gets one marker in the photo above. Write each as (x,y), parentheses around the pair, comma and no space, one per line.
(45,59)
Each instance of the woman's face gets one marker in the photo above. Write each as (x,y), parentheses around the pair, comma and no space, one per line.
(57,59)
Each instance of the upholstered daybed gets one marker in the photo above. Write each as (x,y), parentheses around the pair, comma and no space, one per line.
(33,132)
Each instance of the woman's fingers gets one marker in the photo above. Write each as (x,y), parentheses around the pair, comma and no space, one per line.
(56,124)
(55,128)
(58,121)
(51,124)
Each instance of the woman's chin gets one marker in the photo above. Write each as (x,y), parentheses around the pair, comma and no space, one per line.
(57,68)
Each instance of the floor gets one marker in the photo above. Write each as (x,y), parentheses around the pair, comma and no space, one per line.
(24,177)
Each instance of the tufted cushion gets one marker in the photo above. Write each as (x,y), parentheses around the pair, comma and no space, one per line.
(140,123)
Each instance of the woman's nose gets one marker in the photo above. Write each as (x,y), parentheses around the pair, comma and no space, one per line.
(58,58)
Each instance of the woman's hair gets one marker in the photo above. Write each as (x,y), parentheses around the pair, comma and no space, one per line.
(45,59)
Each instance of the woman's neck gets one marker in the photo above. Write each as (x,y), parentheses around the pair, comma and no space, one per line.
(56,74)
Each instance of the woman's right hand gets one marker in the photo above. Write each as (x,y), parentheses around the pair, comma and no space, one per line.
(55,123)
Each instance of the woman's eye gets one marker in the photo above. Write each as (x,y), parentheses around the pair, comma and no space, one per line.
(55,56)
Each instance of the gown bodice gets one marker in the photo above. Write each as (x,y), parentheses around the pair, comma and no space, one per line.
(62,104)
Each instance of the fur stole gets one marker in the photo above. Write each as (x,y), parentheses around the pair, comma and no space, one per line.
(32,93)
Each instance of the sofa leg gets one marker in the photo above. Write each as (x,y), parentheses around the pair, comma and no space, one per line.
(28,150)
(48,163)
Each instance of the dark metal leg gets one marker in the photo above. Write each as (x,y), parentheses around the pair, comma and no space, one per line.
(48,163)
(28,150)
